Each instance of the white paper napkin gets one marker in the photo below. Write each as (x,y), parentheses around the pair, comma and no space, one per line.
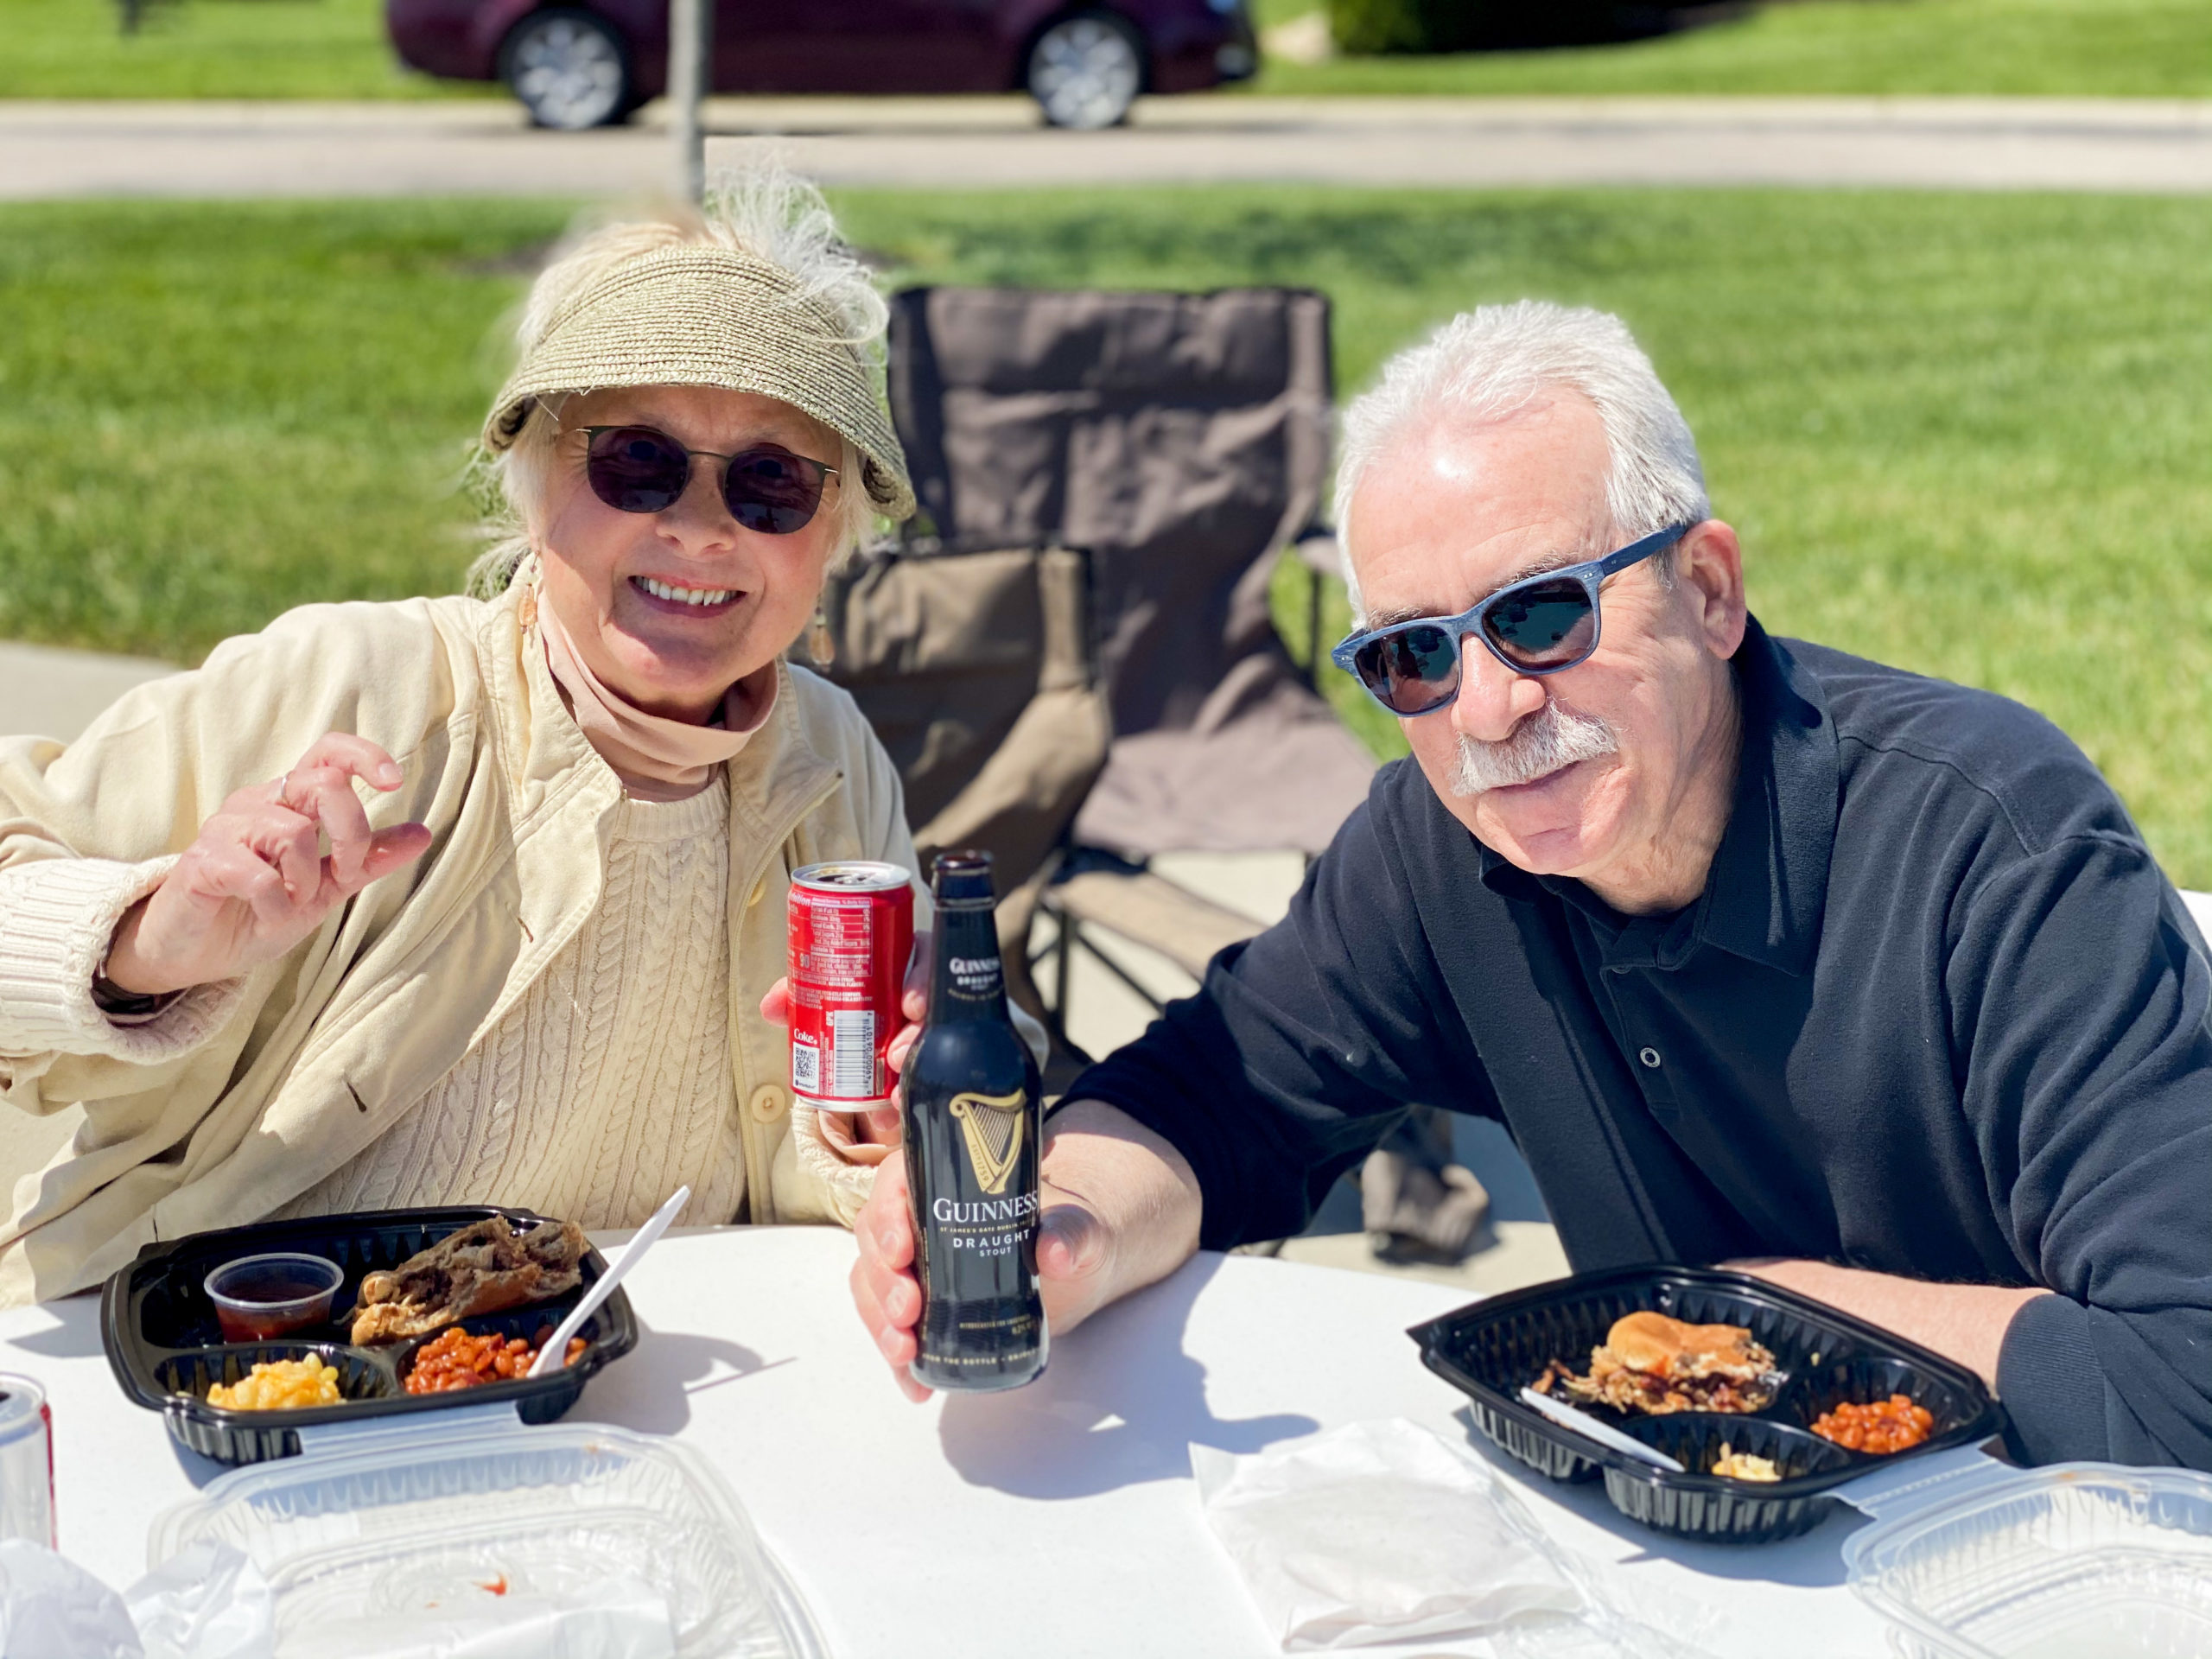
(1377,1532)
(51,1608)
(208,1602)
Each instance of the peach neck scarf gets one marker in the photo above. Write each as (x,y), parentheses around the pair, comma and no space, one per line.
(656,758)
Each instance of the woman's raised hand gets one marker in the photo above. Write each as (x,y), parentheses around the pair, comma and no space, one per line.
(256,882)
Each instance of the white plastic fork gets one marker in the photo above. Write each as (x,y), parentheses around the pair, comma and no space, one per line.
(1605,1434)
(557,1344)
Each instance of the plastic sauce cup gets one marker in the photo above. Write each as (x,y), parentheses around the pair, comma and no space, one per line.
(259,1297)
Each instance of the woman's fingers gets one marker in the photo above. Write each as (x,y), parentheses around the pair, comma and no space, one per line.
(915,999)
(326,795)
(287,841)
(255,880)
(776,1007)
(895,1053)
(392,849)
(885,1129)
(355,756)
(233,870)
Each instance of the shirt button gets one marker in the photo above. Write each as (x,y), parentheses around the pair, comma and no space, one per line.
(769,1103)
(759,888)
(1649,1056)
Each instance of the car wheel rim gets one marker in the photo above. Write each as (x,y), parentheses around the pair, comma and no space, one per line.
(568,73)
(1084,74)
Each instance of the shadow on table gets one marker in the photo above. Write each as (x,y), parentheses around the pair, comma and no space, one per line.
(652,1390)
(197,1470)
(75,1333)
(1120,1404)
(1813,1561)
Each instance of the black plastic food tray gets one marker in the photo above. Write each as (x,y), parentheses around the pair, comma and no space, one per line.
(1496,1347)
(166,1349)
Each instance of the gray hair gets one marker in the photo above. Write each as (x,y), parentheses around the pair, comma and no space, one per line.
(764,211)
(1494,361)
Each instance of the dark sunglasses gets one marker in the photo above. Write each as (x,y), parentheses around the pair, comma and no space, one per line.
(1540,626)
(767,489)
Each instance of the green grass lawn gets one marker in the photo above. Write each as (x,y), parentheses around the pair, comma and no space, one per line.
(205,49)
(1964,434)
(2068,48)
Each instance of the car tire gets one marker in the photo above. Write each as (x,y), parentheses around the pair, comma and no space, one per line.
(570,68)
(1086,70)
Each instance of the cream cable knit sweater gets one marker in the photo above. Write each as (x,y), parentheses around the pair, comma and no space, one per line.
(609,1084)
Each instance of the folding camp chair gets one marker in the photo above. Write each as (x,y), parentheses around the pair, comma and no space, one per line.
(1180,440)
(976,671)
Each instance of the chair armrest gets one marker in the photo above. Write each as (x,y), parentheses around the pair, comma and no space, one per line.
(1154,911)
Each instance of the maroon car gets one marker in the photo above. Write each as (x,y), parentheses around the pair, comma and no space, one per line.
(584,63)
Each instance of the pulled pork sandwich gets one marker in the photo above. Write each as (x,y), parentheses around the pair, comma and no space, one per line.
(1651,1364)
(484,1268)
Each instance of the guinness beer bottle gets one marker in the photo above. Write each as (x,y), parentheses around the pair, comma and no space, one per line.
(972,1116)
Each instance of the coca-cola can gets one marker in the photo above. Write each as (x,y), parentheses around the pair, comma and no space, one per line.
(26,1462)
(851,929)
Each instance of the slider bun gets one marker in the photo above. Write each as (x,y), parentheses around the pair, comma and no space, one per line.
(1652,1342)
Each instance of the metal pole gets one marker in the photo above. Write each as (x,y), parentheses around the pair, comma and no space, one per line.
(690,57)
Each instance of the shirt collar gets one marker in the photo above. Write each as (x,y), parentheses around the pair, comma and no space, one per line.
(1764,896)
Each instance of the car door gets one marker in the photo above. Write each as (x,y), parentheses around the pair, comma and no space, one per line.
(858,46)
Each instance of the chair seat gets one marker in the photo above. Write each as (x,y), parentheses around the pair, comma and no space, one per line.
(1154,911)
(1280,772)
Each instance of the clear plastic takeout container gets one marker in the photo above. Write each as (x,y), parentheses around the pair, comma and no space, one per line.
(2074,1560)
(405,1521)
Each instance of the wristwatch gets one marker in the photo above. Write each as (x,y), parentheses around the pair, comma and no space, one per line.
(111,999)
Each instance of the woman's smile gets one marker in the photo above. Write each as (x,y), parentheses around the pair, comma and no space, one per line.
(685,599)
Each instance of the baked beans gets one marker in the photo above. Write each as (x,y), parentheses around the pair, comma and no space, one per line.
(1885,1426)
(455,1359)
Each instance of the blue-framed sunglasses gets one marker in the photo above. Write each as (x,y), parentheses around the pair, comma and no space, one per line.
(1541,625)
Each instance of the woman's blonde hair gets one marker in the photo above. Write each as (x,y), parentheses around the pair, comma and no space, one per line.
(765,212)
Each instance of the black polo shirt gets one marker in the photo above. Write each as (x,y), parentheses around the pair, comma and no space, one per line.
(1936,1013)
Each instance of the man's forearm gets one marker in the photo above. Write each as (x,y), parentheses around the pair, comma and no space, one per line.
(1141,1190)
(1966,1323)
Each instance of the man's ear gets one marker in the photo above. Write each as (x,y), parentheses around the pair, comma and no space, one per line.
(1709,574)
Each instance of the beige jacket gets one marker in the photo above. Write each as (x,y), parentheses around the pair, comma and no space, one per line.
(243,1095)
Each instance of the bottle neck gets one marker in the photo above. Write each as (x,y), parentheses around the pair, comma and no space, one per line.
(967,981)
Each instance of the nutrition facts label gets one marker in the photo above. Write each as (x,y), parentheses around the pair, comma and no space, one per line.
(840,950)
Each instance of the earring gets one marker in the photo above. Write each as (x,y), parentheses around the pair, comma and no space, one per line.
(819,645)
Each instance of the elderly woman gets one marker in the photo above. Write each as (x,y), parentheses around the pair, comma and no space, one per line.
(477,898)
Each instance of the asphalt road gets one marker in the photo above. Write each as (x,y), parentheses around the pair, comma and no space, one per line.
(482,147)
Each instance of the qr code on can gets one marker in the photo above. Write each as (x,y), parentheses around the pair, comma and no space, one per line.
(806,1068)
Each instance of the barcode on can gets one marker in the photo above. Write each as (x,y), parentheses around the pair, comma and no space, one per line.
(806,1068)
(852,1053)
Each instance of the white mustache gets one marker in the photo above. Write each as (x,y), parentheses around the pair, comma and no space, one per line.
(1547,741)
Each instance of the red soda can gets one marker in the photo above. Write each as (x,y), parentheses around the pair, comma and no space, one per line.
(26,1462)
(851,929)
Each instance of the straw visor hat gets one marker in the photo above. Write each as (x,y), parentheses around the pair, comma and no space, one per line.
(696,316)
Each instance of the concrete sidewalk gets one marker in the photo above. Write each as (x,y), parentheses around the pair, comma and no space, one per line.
(57,693)
(59,150)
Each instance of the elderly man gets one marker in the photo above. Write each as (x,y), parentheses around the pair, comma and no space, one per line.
(1763,953)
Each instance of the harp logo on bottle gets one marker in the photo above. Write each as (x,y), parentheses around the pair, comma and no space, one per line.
(991,1125)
